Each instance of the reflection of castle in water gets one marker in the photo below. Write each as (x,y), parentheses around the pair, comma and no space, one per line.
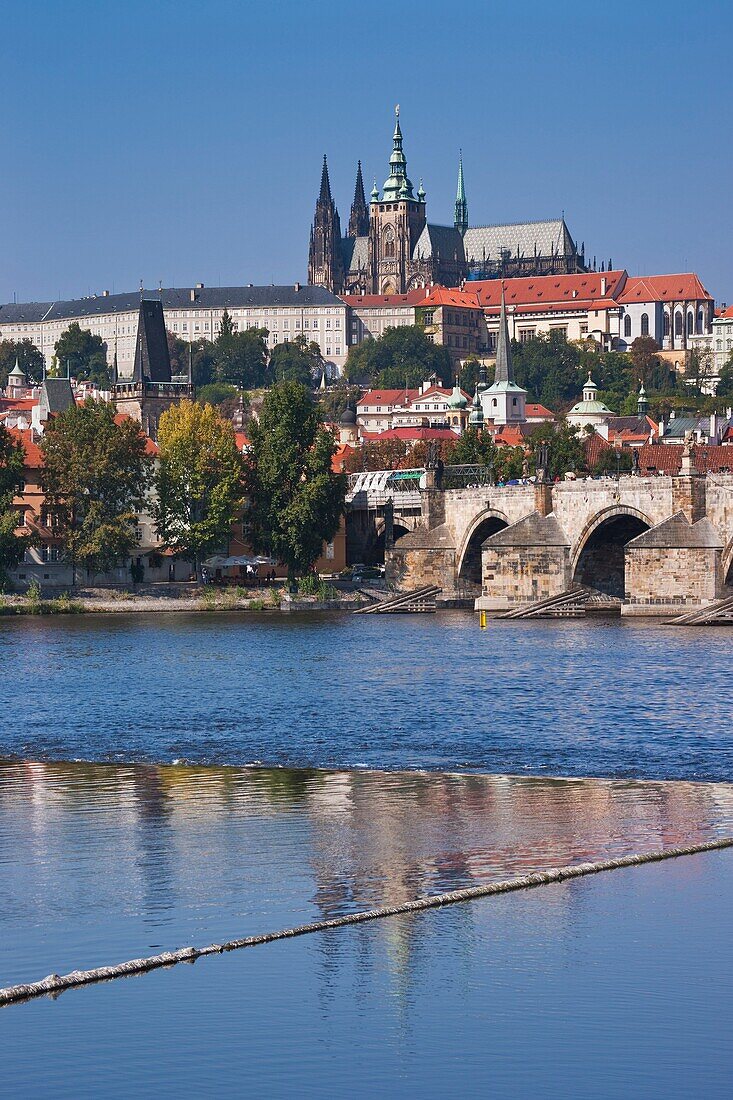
(272,843)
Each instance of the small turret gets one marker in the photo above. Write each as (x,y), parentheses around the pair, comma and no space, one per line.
(642,403)
(476,419)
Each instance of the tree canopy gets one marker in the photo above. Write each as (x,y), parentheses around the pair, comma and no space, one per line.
(296,361)
(198,481)
(295,498)
(96,474)
(401,356)
(84,353)
(27,355)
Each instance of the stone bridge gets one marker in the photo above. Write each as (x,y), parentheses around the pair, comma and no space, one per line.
(657,543)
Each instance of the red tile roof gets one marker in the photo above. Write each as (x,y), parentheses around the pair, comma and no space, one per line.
(444,296)
(534,410)
(339,459)
(387,397)
(411,298)
(667,458)
(551,291)
(33,453)
(728,313)
(409,434)
(663,288)
(242,441)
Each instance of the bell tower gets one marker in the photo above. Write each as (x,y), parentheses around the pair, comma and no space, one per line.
(396,221)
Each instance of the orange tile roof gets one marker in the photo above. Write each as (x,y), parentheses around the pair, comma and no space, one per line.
(533,409)
(242,441)
(667,458)
(725,312)
(387,397)
(443,296)
(548,291)
(663,288)
(339,459)
(33,453)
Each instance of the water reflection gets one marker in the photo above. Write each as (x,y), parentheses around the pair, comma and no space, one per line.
(99,859)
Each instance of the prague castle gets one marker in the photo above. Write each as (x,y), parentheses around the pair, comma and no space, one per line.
(391,248)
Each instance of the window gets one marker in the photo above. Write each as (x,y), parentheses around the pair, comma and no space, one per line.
(389,242)
(330,551)
(526,334)
(645,324)
(627,326)
(428,316)
(678,323)
(666,324)
(584,330)
(690,323)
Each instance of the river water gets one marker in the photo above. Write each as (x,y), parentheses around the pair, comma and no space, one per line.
(387,758)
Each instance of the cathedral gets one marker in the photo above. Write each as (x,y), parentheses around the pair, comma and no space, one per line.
(390,247)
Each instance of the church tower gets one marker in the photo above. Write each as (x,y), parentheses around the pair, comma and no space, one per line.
(359,220)
(460,218)
(396,221)
(325,260)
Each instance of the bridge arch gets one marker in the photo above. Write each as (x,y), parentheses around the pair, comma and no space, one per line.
(598,558)
(468,557)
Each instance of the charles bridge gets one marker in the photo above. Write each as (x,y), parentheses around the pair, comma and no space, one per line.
(655,544)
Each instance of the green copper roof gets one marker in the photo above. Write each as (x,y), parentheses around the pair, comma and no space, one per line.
(457,399)
(397,185)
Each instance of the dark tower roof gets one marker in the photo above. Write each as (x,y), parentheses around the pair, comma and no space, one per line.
(325,195)
(460,219)
(152,358)
(359,220)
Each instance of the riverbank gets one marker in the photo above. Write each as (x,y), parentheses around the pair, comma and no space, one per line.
(193,598)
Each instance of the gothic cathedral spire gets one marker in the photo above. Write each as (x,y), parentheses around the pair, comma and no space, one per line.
(359,220)
(325,258)
(460,218)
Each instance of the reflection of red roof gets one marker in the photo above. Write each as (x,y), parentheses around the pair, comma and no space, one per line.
(387,397)
(551,292)
(411,298)
(667,458)
(663,288)
(409,434)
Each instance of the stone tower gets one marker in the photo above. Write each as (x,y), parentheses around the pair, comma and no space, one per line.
(396,221)
(150,390)
(359,220)
(325,259)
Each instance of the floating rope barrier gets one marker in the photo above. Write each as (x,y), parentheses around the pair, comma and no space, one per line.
(56,983)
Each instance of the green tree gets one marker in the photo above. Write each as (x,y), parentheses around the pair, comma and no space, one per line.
(334,401)
(12,545)
(650,367)
(240,358)
(296,500)
(379,454)
(84,353)
(401,356)
(474,447)
(178,350)
(565,445)
(296,361)
(725,382)
(198,482)
(96,474)
(699,370)
(26,354)
(549,368)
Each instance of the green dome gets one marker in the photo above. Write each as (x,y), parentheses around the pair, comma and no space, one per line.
(456,399)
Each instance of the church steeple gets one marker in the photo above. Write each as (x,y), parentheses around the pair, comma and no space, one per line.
(325,259)
(504,367)
(460,218)
(359,220)
(397,186)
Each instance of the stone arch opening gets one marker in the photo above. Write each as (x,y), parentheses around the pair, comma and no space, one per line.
(600,561)
(376,551)
(469,570)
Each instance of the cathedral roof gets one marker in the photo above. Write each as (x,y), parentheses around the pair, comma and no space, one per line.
(355,251)
(486,242)
(439,240)
(565,292)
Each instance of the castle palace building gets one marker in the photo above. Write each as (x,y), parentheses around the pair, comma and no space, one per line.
(391,247)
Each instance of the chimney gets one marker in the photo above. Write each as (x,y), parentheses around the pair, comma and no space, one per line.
(199,286)
(193,295)
(105,294)
(603,286)
(296,287)
(713,438)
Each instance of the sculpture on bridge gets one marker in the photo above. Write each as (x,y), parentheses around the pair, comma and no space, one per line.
(542,463)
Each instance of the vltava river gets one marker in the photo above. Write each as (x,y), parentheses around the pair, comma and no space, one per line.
(544,698)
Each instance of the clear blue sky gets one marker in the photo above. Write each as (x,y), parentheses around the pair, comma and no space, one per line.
(182,141)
